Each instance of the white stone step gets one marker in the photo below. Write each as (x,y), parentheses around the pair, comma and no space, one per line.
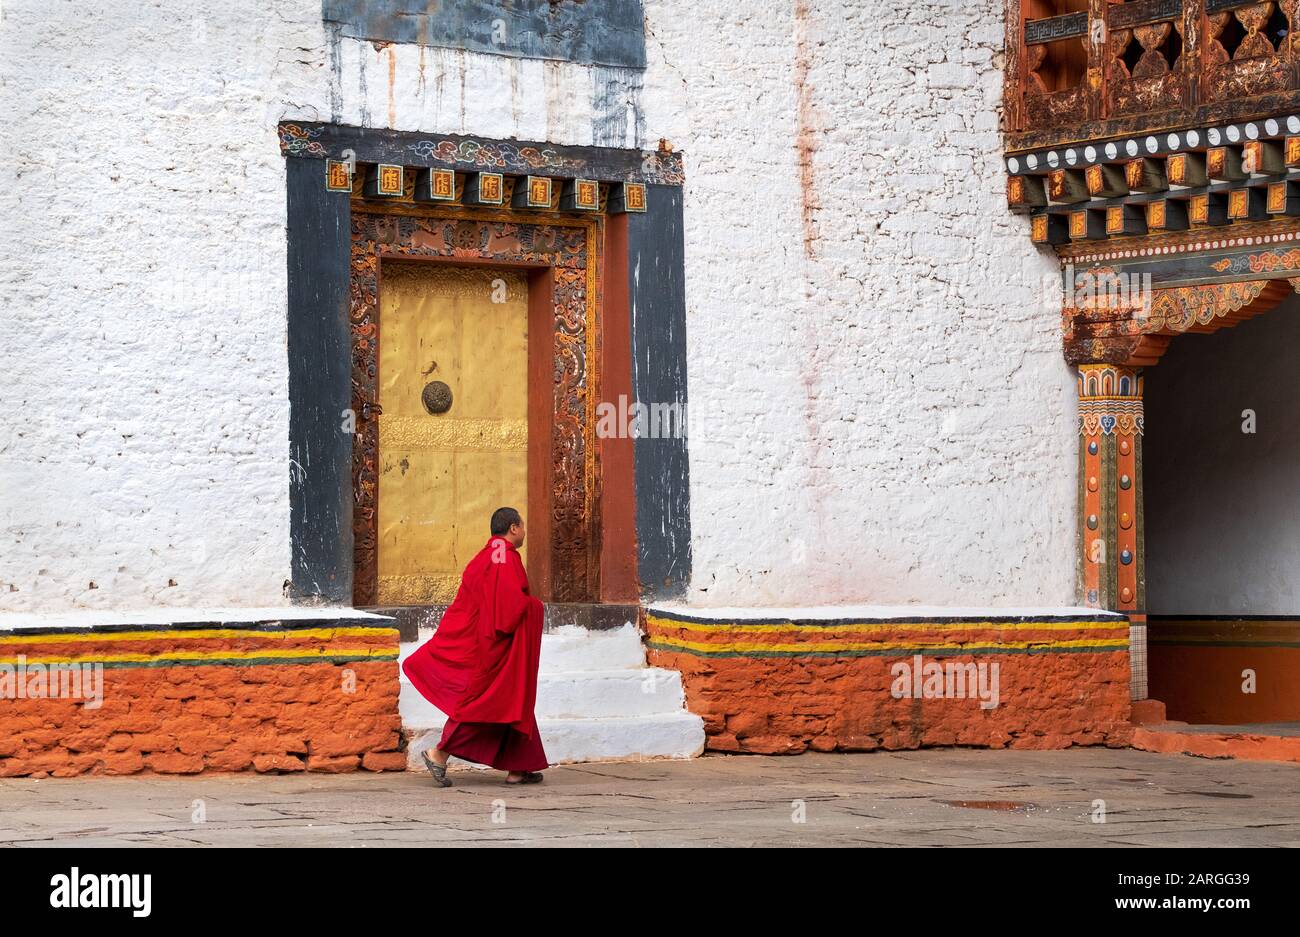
(596,701)
(571,649)
(600,694)
(588,694)
(678,735)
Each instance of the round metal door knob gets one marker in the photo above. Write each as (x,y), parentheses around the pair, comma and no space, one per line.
(436,397)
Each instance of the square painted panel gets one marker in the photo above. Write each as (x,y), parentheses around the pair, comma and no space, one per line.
(588,32)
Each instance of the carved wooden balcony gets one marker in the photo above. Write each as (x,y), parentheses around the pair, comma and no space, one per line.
(1089,69)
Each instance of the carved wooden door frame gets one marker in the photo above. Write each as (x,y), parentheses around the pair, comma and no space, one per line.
(561,257)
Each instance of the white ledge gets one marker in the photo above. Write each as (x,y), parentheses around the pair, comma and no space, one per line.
(154,617)
(875,612)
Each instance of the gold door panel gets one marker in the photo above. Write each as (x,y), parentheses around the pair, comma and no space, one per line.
(441,475)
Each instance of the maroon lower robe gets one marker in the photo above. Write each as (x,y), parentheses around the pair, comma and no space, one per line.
(480,666)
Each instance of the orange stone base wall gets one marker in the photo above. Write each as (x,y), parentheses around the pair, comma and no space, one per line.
(1197,669)
(786,687)
(177,701)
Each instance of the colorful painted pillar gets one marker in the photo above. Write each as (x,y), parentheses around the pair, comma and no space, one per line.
(1110,481)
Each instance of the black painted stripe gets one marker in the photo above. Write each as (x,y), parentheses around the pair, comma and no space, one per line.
(320,384)
(657,299)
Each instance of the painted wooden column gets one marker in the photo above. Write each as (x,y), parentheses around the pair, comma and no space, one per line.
(1110,481)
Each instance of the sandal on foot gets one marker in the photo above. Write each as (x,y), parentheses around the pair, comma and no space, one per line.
(438,771)
(530,777)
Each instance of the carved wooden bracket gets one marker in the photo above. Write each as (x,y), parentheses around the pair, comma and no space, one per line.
(1137,334)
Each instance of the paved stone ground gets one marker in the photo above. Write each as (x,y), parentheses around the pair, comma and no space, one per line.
(924,798)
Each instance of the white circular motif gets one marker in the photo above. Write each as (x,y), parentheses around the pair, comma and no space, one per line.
(1031,161)
(1193,138)
(1172,140)
(1252,131)
(1131,148)
(1071,157)
(1233,134)
(1111,151)
(1293,124)
(1090,154)
(1270,127)
(1053,160)
(1152,144)
(1013,165)
(1213,136)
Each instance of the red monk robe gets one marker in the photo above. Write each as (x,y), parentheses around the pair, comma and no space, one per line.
(480,666)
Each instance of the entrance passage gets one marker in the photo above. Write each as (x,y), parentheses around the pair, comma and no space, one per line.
(453,431)
(1222,503)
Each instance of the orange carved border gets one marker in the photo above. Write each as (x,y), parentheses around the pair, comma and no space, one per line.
(1138,334)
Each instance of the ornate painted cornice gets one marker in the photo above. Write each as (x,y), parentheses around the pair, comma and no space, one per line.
(1138,334)
(474,154)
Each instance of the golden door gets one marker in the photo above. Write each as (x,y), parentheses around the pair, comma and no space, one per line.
(456,335)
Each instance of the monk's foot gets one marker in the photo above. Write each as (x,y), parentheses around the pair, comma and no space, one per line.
(437,769)
(440,757)
(523,777)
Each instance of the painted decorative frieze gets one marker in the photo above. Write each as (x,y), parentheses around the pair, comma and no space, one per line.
(464,154)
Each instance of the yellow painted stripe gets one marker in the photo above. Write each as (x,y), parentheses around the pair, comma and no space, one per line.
(886,626)
(745,647)
(323,634)
(180,656)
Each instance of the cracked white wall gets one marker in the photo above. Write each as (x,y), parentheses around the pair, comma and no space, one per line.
(891,418)
(887,414)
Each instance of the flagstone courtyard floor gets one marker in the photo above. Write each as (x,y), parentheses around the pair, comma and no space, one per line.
(922,798)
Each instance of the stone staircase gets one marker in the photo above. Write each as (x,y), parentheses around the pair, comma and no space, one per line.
(596,701)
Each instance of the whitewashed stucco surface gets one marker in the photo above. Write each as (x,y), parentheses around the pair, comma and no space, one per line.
(872,349)
(885,414)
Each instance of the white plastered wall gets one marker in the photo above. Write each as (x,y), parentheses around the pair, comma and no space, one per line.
(880,409)
(886,415)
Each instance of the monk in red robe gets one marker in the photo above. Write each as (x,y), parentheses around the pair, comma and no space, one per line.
(480,666)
